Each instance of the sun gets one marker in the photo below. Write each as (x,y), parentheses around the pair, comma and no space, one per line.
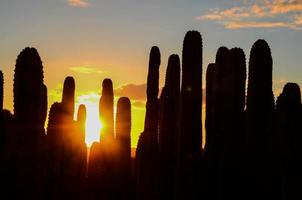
(93,124)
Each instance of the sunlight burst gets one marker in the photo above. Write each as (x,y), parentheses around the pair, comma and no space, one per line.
(93,124)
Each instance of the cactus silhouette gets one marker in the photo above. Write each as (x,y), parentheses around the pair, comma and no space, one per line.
(68,97)
(123,129)
(28,88)
(81,119)
(191,107)
(106,110)
(147,148)
(233,88)
(168,120)
(1,90)
(289,115)
(259,114)
(209,120)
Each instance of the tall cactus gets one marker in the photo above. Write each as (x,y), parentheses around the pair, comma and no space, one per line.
(123,130)
(68,97)
(81,119)
(168,121)
(191,93)
(209,120)
(106,110)
(288,127)
(1,90)
(147,148)
(259,113)
(28,85)
(191,109)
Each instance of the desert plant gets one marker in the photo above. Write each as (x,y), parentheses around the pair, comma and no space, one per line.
(68,97)
(106,110)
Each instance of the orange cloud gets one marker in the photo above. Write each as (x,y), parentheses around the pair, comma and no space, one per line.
(239,25)
(85,70)
(259,14)
(78,3)
(133,91)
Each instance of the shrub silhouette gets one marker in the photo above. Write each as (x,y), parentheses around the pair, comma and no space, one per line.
(147,148)
(259,111)
(191,107)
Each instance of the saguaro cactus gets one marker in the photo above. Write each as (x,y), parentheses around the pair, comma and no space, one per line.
(259,111)
(288,127)
(68,97)
(209,120)
(191,107)
(106,110)
(28,85)
(123,130)
(191,93)
(147,149)
(168,127)
(1,91)
(81,120)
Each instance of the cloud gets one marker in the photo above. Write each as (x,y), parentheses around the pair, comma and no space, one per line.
(259,14)
(132,91)
(78,3)
(85,70)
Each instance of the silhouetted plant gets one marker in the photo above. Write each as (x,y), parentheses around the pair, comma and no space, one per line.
(106,110)
(1,90)
(209,119)
(168,121)
(259,111)
(288,127)
(123,130)
(147,148)
(191,107)
(81,119)
(68,97)
(28,84)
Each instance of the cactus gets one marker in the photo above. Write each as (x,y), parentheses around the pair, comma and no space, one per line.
(191,123)
(81,119)
(106,110)
(28,85)
(147,148)
(259,116)
(191,93)
(210,97)
(1,91)
(168,120)
(288,127)
(151,119)
(68,97)
(123,129)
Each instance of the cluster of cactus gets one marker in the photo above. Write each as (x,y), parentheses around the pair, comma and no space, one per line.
(252,149)
(110,159)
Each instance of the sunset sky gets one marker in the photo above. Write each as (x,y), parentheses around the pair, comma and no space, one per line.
(96,39)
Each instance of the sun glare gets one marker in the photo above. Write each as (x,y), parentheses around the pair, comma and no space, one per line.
(93,124)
